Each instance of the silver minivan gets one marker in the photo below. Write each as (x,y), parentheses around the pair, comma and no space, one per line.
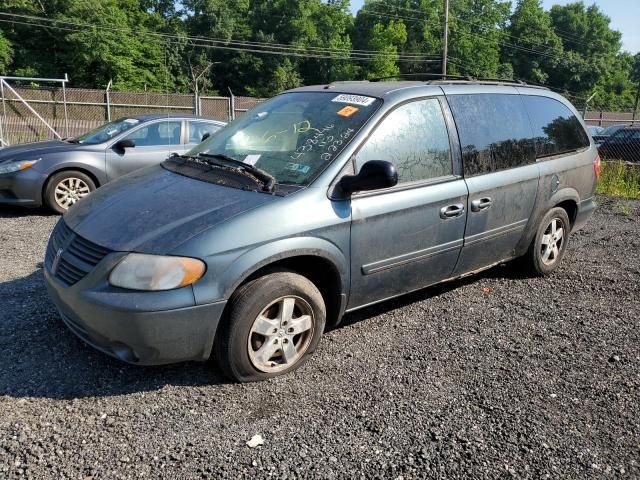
(318,202)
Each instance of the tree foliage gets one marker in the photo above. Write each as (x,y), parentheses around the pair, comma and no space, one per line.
(260,47)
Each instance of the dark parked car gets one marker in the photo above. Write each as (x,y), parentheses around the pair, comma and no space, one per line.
(61,172)
(622,145)
(606,133)
(320,201)
(594,130)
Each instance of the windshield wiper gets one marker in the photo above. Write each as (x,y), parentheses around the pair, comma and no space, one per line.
(268,180)
(70,140)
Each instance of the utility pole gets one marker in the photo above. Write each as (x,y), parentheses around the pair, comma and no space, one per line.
(445,40)
(635,108)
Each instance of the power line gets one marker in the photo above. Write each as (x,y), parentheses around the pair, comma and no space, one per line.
(227,44)
(576,40)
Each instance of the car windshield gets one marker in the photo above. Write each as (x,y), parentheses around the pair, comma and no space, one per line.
(107,131)
(293,136)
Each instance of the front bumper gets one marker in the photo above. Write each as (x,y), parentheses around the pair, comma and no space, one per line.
(22,188)
(136,327)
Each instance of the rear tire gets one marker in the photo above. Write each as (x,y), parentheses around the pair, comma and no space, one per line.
(66,188)
(273,324)
(550,243)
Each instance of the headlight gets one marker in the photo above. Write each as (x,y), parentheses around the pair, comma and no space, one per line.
(153,272)
(16,165)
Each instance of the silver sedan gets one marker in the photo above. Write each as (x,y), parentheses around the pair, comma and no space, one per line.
(61,172)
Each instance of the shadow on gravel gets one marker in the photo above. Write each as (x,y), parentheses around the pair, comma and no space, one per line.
(42,358)
(16,212)
(509,271)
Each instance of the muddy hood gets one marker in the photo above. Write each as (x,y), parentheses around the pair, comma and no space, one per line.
(154,210)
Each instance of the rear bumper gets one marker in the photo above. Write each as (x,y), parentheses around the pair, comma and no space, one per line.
(126,327)
(585,210)
(22,188)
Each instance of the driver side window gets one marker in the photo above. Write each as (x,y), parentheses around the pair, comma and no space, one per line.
(415,139)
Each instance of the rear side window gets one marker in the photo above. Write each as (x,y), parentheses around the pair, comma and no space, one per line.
(495,132)
(555,128)
(415,139)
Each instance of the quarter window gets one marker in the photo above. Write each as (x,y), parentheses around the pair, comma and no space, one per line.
(414,138)
(495,132)
(555,128)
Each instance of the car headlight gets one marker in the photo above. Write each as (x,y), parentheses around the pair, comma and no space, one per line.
(16,165)
(138,271)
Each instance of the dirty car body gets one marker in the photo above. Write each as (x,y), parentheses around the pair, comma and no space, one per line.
(393,187)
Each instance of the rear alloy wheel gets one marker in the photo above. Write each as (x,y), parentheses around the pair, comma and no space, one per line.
(273,324)
(66,188)
(550,242)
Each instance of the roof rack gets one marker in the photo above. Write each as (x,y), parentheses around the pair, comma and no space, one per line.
(459,79)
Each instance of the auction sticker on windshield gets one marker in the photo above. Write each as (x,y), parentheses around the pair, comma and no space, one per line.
(354,99)
(347,111)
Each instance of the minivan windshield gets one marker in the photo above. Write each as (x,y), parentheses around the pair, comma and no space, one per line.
(293,136)
(107,131)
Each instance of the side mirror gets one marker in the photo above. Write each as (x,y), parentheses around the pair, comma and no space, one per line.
(205,136)
(374,175)
(126,143)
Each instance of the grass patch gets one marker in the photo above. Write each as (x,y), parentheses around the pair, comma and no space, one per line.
(619,179)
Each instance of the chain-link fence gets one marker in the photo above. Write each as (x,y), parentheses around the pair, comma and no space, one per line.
(31,114)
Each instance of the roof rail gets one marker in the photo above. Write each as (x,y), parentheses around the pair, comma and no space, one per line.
(460,79)
(414,75)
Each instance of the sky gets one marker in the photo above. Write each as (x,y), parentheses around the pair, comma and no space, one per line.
(624,14)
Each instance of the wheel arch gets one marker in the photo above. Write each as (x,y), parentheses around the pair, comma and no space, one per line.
(68,168)
(325,267)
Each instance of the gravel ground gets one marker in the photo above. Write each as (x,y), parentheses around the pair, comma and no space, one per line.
(494,376)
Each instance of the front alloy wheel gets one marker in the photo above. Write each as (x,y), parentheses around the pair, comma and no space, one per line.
(66,188)
(281,334)
(69,190)
(272,324)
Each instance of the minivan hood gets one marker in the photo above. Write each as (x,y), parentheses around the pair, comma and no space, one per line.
(30,151)
(154,210)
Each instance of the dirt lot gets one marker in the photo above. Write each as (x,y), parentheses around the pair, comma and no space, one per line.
(494,376)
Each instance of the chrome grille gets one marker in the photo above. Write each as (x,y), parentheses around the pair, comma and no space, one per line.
(79,255)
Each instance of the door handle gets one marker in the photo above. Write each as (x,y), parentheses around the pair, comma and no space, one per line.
(481,204)
(452,211)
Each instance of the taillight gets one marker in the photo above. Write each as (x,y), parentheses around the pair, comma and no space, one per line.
(596,167)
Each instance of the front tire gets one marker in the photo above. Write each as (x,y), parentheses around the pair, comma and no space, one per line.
(550,243)
(273,324)
(66,188)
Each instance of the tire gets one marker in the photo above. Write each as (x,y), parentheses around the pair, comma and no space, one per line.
(65,188)
(542,259)
(259,338)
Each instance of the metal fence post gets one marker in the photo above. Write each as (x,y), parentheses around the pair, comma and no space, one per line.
(4,115)
(232,105)
(107,100)
(64,99)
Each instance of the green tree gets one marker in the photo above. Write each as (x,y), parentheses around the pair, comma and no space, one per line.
(590,46)
(386,40)
(530,27)
(6,53)
(477,36)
